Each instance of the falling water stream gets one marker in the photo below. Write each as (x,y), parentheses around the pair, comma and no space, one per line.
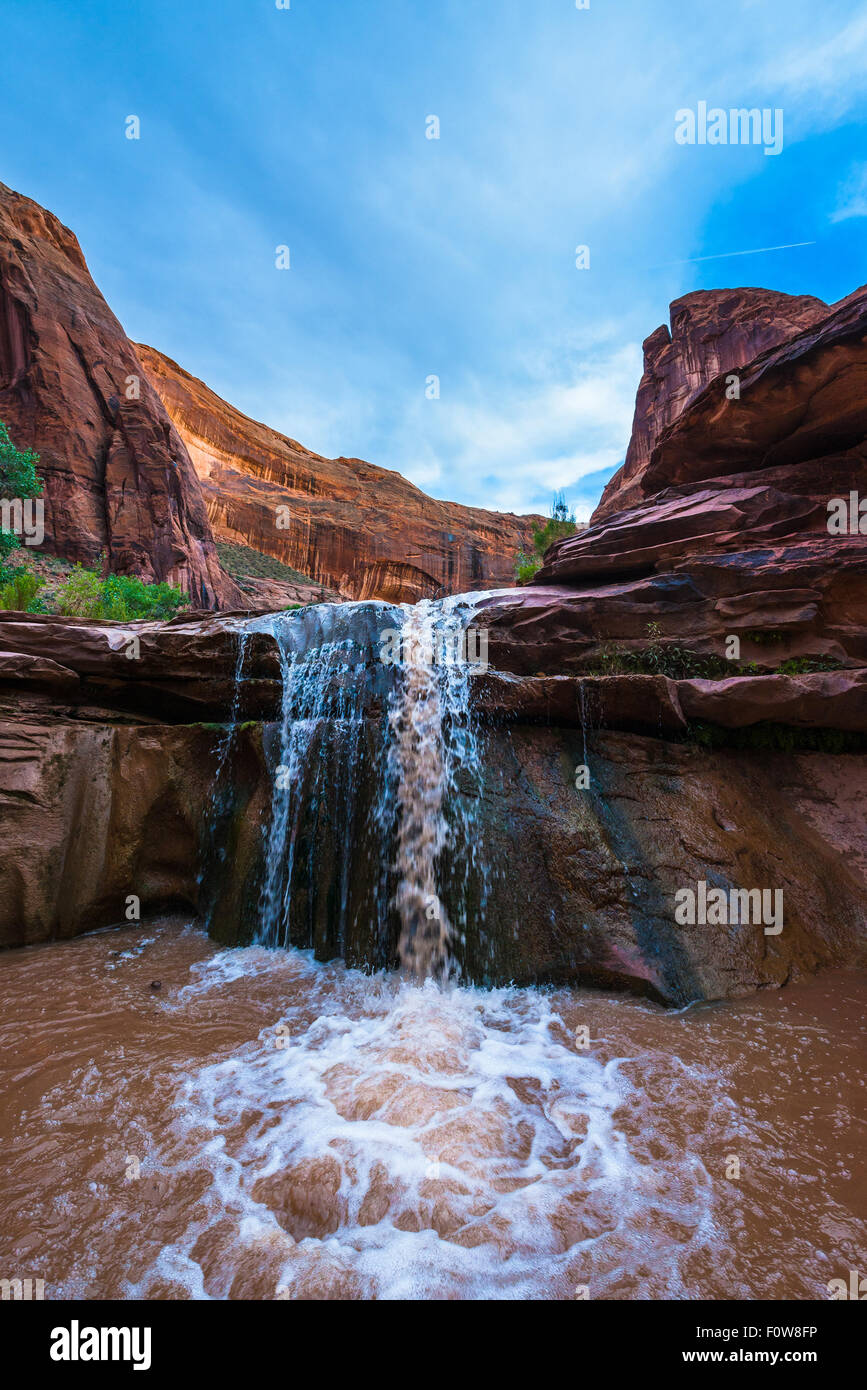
(380,694)
(272,1125)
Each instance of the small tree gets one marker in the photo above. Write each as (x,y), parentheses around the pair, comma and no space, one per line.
(17,480)
(561,523)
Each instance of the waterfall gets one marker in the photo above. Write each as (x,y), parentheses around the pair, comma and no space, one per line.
(328,808)
(433,740)
(374,779)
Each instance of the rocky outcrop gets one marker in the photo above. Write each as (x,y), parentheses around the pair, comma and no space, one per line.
(348,524)
(712,548)
(799,403)
(729,554)
(117,799)
(595,897)
(712,332)
(117,477)
(103,823)
(178,671)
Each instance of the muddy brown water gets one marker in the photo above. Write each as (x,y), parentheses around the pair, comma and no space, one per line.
(265,1126)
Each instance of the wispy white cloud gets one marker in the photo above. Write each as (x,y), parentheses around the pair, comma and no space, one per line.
(821,73)
(852,196)
(511,450)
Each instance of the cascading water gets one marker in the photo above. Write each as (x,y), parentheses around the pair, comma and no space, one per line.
(374,768)
(434,741)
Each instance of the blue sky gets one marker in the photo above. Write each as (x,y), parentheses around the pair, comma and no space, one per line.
(455,257)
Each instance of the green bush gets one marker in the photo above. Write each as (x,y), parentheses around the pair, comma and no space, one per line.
(663,659)
(680,663)
(17,479)
(561,523)
(86,594)
(19,592)
(526,566)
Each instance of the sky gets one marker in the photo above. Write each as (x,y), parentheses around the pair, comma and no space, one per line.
(263,126)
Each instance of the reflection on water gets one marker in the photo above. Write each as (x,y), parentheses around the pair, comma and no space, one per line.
(265,1126)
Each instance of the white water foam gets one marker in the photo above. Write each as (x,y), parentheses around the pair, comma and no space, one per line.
(411,1141)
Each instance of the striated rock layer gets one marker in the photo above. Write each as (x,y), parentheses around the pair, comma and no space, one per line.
(112,783)
(730,536)
(712,332)
(347,524)
(95,812)
(118,479)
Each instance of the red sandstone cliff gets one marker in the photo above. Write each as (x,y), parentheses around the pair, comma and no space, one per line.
(117,477)
(728,533)
(358,528)
(712,331)
(113,425)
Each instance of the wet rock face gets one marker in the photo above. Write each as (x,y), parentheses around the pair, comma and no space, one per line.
(174,815)
(351,525)
(600,867)
(118,479)
(110,786)
(94,813)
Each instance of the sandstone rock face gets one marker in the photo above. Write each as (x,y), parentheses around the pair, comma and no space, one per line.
(182,670)
(730,536)
(117,477)
(803,401)
(94,812)
(103,797)
(594,900)
(348,524)
(719,531)
(712,332)
(818,699)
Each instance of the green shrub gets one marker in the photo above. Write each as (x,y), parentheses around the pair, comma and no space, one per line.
(680,663)
(561,523)
(19,592)
(526,566)
(662,659)
(122,597)
(17,479)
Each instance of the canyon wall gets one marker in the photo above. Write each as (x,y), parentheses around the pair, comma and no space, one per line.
(153,777)
(117,478)
(144,464)
(351,525)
